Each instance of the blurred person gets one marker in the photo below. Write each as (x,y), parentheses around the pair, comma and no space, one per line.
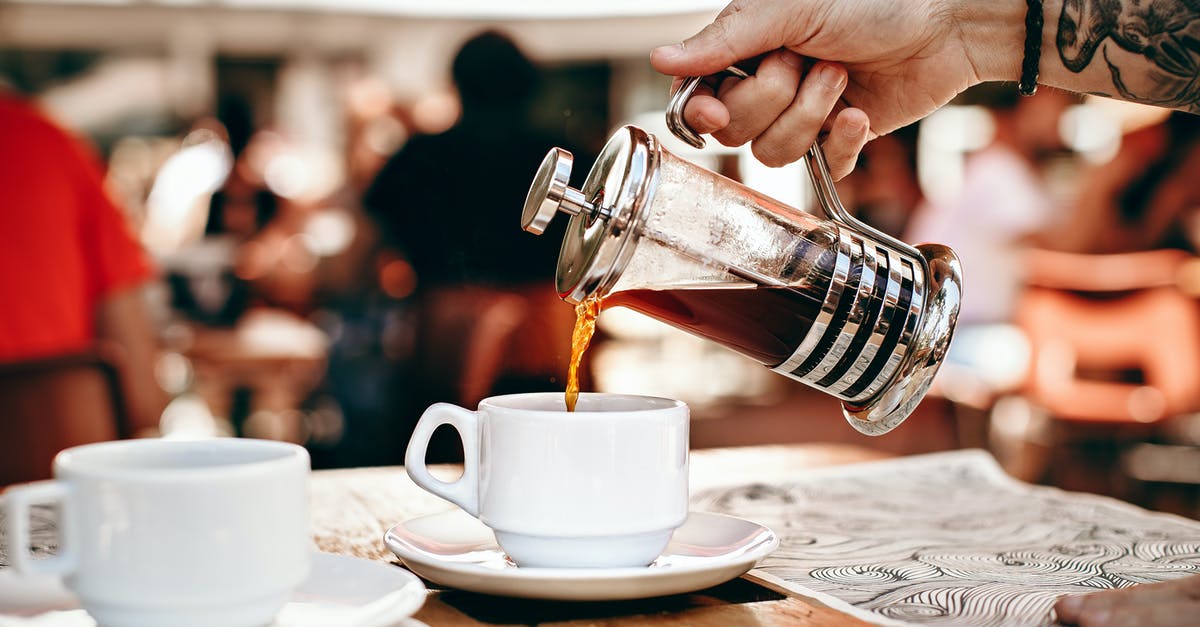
(861,68)
(1001,202)
(1144,198)
(274,262)
(204,285)
(449,203)
(71,272)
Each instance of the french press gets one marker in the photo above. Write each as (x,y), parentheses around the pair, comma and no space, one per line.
(833,303)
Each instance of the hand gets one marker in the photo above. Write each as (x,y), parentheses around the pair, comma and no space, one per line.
(1164,604)
(891,62)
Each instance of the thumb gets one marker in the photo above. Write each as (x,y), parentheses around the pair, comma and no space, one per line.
(738,33)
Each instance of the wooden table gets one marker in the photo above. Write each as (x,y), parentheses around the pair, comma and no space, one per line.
(353,508)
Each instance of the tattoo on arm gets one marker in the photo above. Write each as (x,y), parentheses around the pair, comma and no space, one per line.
(1151,47)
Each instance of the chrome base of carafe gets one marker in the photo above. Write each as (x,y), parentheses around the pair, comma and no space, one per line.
(869,316)
(884,411)
(882,330)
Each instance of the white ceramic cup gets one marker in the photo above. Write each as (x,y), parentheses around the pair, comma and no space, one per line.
(601,487)
(181,533)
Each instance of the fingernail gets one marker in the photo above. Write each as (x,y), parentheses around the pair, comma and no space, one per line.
(854,129)
(832,77)
(672,51)
(792,59)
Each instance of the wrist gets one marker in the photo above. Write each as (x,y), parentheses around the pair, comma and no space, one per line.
(992,35)
(1094,78)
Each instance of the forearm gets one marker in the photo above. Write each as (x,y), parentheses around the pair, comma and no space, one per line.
(125,331)
(1139,50)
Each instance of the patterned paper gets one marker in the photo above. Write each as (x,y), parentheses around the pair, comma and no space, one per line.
(950,539)
(43,538)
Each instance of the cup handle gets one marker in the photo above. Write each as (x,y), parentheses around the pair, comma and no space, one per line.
(16,502)
(465,491)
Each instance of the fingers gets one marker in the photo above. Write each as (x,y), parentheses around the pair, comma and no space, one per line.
(1146,594)
(789,135)
(738,33)
(1124,606)
(703,113)
(780,110)
(756,103)
(850,132)
(1164,615)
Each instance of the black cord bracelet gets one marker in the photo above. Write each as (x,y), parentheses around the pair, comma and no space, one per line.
(1033,48)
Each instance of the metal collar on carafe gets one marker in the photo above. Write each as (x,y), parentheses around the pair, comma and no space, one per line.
(603,212)
(887,309)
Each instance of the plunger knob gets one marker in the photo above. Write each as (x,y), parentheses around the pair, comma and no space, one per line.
(551,192)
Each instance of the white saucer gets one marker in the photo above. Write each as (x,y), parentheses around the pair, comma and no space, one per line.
(455,550)
(340,592)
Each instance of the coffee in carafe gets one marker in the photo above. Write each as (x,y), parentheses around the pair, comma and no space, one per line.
(829,302)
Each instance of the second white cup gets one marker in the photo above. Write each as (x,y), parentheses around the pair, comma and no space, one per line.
(601,487)
(187,534)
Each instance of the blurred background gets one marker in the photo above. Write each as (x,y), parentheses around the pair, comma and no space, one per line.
(314,235)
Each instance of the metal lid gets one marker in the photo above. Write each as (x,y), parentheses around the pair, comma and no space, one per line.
(604,214)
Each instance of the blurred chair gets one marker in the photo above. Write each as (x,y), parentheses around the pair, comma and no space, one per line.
(1115,352)
(1111,315)
(51,404)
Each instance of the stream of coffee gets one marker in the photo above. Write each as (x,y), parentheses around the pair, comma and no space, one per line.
(585,325)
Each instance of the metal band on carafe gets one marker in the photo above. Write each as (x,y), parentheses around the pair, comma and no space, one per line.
(866,324)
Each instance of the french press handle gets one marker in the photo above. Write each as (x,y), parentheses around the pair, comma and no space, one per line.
(818,169)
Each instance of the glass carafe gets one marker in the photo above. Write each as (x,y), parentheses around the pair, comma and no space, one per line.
(830,302)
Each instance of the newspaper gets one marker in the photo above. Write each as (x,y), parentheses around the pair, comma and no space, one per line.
(950,539)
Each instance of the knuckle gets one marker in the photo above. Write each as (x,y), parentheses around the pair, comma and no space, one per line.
(771,154)
(729,137)
(718,29)
(777,89)
(818,95)
(810,112)
(718,33)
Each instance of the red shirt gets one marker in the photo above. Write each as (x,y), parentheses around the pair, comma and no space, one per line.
(64,245)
